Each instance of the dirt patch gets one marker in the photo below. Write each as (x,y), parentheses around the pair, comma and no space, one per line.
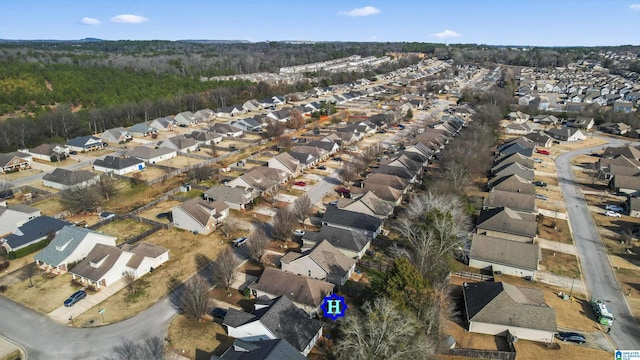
(181,161)
(189,337)
(124,229)
(560,263)
(529,350)
(164,206)
(83,219)
(148,174)
(554,229)
(466,339)
(132,196)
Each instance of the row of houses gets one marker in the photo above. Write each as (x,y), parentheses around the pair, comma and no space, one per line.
(621,167)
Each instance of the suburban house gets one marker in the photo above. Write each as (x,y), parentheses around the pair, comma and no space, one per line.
(14,161)
(399,171)
(567,134)
(514,158)
(204,115)
(582,123)
(117,135)
(541,139)
(352,243)
(107,264)
(152,155)
(513,183)
(252,105)
(143,129)
(503,169)
(164,124)
(368,203)
(63,179)
(622,184)
(618,165)
(48,152)
(226,130)
(205,137)
(508,224)
(522,145)
(323,262)
(280,319)
(388,180)
(517,129)
(276,349)
(504,256)
(118,165)
(350,220)
(70,245)
(632,205)
(229,111)
(85,143)
(31,232)
(199,216)
(185,119)
(306,293)
(248,124)
(513,200)
(284,161)
(615,128)
(237,198)
(14,215)
(630,152)
(262,179)
(497,308)
(383,192)
(179,143)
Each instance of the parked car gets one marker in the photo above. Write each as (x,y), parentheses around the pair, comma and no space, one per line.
(337,158)
(322,167)
(163,215)
(612,214)
(73,152)
(300,183)
(343,191)
(298,232)
(218,313)
(75,297)
(542,197)
(538,160)
(543,152)
(571,336)
(540,183)
(335,202)
(239,241)
(615,208)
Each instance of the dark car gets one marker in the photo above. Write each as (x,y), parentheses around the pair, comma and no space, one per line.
(163,215)
(540,183)
(218,313)
(77,296)
(572,337)
(322,167)
(337,158)
(343,191)
(73,152)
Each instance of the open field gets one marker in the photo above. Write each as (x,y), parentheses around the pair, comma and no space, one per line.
(630,286)
(183,246)
(124,229)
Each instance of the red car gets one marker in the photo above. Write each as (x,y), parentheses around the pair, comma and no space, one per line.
(543,152)
(343,191)
(300,183)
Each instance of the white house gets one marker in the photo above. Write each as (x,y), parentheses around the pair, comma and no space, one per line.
(199,216)
(49,152)
(14,161)
(152,155)
(505,256)
(70,245)
(323,262)
(284,161)
(63,179)
(12,216)
(118,165)
(85,143)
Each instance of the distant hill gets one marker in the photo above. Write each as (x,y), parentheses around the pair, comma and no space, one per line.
(217,41)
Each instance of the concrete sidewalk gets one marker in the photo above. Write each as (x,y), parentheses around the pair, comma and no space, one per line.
(560,281)
(554,214)
(8,347)
(557,246)
(63,313)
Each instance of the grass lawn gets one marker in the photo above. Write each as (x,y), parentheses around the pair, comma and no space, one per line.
(133,196)
(183,246)
(19,174)
(529,350)
(48,293)
(560,233)
(124,229)
(628,279)
(49,207)
(190,194)
(197,337)
(560,263)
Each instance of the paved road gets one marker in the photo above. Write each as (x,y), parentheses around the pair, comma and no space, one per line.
(597,271)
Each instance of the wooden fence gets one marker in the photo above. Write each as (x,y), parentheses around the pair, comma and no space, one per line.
(472,276)
(483,354)
(373,265)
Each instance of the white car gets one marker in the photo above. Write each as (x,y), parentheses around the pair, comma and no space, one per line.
(537,160)
(541,197)
(298,232)
(612,213)
(615,208)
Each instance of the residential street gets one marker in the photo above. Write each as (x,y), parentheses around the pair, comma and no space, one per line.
(598,274)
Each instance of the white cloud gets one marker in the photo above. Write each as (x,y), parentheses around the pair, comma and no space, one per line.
(129,19)
(446,34)
(634,6)
(90,21)
(363,11)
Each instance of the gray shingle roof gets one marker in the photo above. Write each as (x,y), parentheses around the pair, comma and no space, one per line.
(68,177)
(228,194)
(330,259)
(505,220)
(301,289)
(147,153)
(351,240)
(63,245)
(6,157)
(98,262)
(276,349)
(34,230)
(514,200)
(504,304)
(505,252)
(117,163)
(351,219)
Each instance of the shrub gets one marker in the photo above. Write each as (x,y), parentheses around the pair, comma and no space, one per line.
(28,250)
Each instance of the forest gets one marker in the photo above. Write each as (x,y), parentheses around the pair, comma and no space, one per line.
(56,90)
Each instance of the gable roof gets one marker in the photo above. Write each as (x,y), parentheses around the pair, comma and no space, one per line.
(45,149)
(5,158)
(301,289)
(503,219)
(81,141)
(513,168)
(504,304)
(505,252)
(513,183)
(355,220)
(117,163)
(34,229)
(69,177)
(236,195)
(540,138)
(63,245)
(201,211)
(98,262)
(147,153)
(273,349)
(515,157)
(292,164)
(375,205)
(626,182)
(630,152)
(393,181)
(330,259)
(351,240)
(513,200)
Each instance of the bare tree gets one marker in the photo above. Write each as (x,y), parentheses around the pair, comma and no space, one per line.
(274,129)
(200,173)
(372,152)
(457,174)
(284,222)
(195,298)
(349,173)
(302,207)
(107,186)
(155,347)
(382,332)
(79,198)
(130,280)
(151,348)
(296,120)
(228,226)
(257,244)
(223,268)
(30,269)
(5,186)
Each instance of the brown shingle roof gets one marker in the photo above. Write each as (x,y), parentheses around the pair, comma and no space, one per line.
(505,252)
(300,289)
(513,200)
(505,220)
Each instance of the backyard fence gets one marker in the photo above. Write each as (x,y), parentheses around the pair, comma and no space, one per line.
(472,276)
(483,354)
(373,265)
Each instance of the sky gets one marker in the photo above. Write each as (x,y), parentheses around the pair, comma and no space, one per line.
(491,22)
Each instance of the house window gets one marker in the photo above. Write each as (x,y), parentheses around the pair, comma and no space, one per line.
(309,273)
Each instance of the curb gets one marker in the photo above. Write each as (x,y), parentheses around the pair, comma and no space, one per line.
(21,349)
